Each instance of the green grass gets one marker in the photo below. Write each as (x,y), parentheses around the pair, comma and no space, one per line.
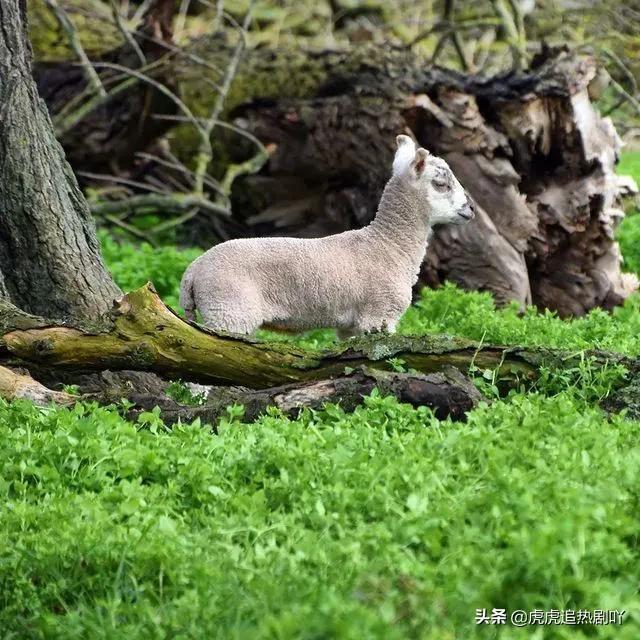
(380,523)
(629,164)
(132,265)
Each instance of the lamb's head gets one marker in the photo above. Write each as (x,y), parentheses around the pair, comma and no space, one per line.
(444,197)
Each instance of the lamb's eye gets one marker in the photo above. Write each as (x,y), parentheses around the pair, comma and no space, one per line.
(440,185)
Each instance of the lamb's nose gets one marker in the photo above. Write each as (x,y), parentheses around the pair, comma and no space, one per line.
(471,205)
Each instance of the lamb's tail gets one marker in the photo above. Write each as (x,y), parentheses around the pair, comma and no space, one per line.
(186,295)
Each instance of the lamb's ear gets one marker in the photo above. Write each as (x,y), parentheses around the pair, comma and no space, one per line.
(402,140)
(419,163)
(404,155)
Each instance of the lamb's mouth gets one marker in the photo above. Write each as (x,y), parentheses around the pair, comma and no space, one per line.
(466,213)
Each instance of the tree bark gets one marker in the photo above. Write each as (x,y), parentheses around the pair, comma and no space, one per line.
(49,257)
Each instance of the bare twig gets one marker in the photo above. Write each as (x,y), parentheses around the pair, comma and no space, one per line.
(176,222)
(74,40)
(179,166)
(67,117)
(205,152)
(142,9)
(118,180)
(181,17)
(444,28)
(129,228)
(623,67)
(252,165)
(179,51)
(169,202)
(63,122)
(117,17)
(633,101)
(511,21)
(456,38)
(158,85)
(220,123)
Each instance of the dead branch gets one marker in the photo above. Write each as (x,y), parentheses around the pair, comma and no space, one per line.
(158,202)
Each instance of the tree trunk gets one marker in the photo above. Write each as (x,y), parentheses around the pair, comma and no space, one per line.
(50,261)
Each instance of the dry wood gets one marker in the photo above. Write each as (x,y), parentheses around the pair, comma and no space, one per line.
(16,386)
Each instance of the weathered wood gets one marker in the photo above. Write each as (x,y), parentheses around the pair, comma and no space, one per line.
(448,393)
(528,146)
(49,256)
(17,386)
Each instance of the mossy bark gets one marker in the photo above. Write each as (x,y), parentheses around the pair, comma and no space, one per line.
(92,19)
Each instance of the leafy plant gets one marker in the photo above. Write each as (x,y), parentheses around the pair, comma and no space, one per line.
(180,392)
(381,523)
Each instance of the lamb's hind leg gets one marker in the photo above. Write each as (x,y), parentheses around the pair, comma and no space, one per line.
(220,320)
(232,316)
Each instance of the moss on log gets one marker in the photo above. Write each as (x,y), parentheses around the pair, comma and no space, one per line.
(91,18)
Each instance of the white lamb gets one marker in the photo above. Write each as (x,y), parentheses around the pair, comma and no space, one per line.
(357,281)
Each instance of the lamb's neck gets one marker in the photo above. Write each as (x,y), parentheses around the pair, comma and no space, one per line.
(402,225)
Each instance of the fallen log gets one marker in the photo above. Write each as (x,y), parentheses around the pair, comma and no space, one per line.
(141,333)
(529,147)
(133,350)
(17,386)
